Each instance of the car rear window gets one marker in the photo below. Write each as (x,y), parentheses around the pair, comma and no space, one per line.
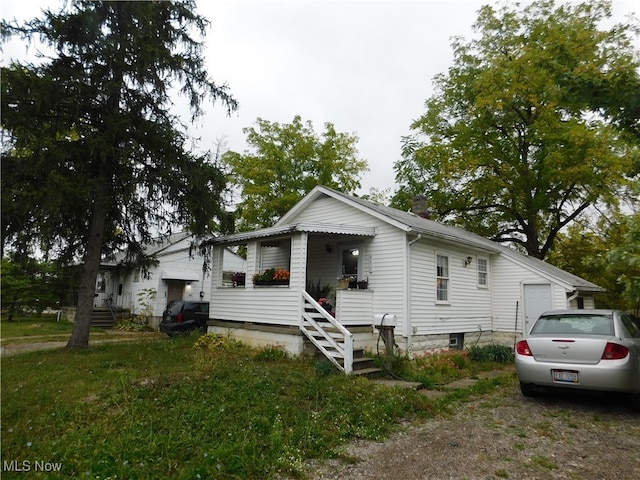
(582,324)
(175,308)
(197,307)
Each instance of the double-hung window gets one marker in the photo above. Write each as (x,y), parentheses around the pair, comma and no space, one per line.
(483,272)
(442,278)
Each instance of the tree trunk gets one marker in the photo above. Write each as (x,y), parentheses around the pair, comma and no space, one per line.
(82,324)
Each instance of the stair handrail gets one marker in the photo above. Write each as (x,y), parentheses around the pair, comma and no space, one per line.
(346,351)
(110,304)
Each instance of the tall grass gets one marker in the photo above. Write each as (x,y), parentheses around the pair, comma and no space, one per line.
(167,409)
(439,368)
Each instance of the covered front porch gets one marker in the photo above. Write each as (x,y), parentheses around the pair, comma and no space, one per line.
(304,284)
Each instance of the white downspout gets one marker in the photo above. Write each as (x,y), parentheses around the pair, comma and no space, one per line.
(409,327)
(575,295)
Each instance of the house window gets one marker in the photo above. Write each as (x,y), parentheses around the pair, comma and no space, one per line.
(275,253)
(442,278)
(483,272)
(136,275)
(101,285)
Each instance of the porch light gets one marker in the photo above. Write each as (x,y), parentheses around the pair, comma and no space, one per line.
(355,252)
(467,261)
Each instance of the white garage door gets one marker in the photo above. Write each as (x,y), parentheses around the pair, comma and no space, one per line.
(537,299)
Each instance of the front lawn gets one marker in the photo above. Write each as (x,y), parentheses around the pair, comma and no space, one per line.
(32,326)
(166,408)
(162,409)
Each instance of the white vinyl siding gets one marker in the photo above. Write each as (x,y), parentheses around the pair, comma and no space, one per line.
(508,278)
(268,305)
(383,256)
(469,307)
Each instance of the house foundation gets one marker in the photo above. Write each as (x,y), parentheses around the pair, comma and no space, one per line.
(288,337)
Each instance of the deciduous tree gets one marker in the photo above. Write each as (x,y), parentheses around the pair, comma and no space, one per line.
(512,146)
(286,162)
(96,160)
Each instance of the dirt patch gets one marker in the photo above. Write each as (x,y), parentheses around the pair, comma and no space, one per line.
(504,435)
(32,344)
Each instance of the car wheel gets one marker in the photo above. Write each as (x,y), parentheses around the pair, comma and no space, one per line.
(528,390)
(634,401)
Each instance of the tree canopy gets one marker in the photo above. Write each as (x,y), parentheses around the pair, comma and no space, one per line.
(286,162)
(606,252)
(528,128)
(95,160)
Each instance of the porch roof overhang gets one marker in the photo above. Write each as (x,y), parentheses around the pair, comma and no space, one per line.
(178,275)
(322,228)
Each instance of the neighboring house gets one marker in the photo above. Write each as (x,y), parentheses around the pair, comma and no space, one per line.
(441,285)
(177,276)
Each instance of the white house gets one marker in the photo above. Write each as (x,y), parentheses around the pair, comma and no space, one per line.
(178,275)
(441,286)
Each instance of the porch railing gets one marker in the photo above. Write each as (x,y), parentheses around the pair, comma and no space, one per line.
(327,334)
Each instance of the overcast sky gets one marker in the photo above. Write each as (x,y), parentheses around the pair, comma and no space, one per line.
(365,66)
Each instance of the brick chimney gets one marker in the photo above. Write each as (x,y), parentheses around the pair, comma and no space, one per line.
(419,206)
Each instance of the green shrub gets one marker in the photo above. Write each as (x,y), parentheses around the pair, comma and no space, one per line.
(491,353)
(133,324)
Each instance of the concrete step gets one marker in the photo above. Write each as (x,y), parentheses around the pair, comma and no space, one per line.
(370,373)
(102,318)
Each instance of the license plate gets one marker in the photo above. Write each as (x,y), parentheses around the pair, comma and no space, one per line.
(565,376)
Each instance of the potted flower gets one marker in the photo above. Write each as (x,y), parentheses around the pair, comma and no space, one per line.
(263,278)
(281,277)
(345,281)
(363,284)
(271,276)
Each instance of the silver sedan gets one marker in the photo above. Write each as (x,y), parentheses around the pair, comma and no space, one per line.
(581,349)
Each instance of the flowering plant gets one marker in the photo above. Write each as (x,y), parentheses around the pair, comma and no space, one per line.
(281,274)
(325,303)
(271,275)
(349,278)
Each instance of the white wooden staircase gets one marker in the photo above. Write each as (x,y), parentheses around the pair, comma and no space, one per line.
(333,339)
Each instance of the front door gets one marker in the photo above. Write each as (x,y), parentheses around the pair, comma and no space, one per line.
(175,289)
(537,299)
(351,262)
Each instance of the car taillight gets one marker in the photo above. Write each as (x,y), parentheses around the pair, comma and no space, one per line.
(613,351)
(523,348)
(179,317)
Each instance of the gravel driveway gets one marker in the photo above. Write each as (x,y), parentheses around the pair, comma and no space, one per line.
(504,435)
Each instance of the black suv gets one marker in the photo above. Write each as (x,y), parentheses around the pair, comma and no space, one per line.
(183,316)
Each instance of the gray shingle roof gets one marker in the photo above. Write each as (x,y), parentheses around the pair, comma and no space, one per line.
(423,226)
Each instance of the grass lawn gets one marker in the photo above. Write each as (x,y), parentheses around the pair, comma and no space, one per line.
(186,407)
(44,328)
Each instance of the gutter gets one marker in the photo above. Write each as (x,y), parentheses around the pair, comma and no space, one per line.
(409,327)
